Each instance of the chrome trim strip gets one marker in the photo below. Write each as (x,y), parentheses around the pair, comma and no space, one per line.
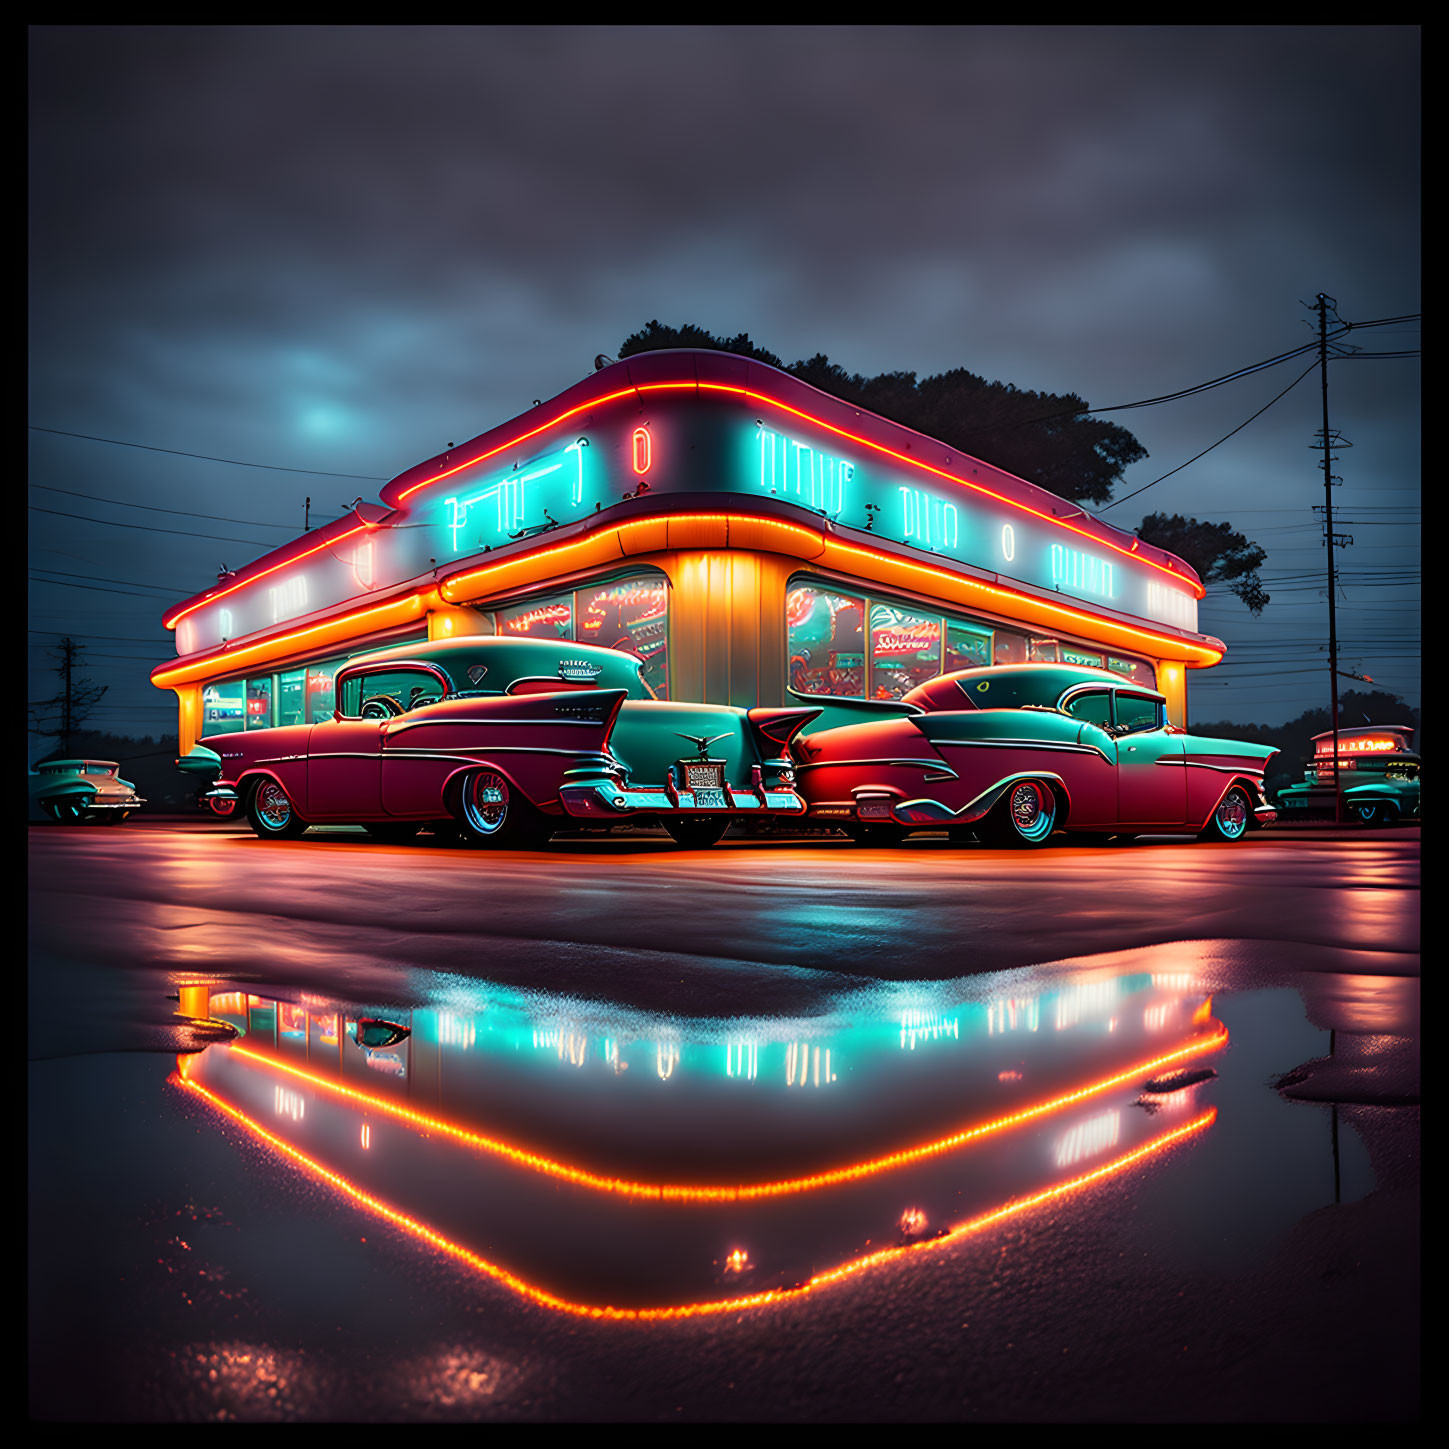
(508,722)
(1202,765)
(941,765)
(1032,744)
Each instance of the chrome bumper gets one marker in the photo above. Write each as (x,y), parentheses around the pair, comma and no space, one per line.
(614,802)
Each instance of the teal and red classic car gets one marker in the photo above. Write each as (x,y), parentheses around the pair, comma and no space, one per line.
(503,741)
(76,792)
(1013,753)
(1378,775)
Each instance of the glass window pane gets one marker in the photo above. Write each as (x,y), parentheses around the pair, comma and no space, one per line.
(967,647)
(632,615)
(1072,655)
(320,680)
(259,703)
(290,692)
(905,650)
(1007,648)
(1137,670)
(542,619)
(1136,713)
(1094,708)
(404,687)
(1041,651)
(826,633)
(223,707)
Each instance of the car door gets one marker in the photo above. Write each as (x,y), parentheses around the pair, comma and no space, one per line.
(1151,778)
(344,768)
(1094,787)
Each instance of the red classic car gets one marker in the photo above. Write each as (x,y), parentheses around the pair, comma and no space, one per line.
(503,741)
(1015,752)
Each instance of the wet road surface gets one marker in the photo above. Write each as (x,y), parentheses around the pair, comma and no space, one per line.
(284,1226)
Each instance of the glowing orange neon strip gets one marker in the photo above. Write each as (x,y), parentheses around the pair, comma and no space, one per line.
(213,595)
(765,398)
(545,1299)
(185,667)
(453,584)
(683,1192)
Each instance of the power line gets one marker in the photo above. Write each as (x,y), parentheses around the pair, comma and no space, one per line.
(148,528)
(153,508)
(1211,446)
(206,457)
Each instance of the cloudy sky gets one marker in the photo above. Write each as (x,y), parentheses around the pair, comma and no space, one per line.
(340,249)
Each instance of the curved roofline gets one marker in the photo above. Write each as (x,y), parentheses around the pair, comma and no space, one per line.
(695,372)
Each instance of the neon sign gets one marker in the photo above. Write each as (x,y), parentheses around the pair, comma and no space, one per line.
(929,521)
(799,473)
(1359,746)
(1081,572)
(510,495)
(643,451)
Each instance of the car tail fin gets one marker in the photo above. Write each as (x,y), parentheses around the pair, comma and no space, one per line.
(778,727)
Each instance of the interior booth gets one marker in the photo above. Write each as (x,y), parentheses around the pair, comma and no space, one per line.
(752,539)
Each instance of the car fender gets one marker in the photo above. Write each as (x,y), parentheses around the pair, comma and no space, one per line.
(1263,813)
(453,782)
(250,778)
(927,812)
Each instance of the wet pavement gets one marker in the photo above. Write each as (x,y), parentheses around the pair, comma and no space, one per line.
(780,1131)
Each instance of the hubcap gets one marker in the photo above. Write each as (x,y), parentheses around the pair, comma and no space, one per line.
(486,803)
(1232,815)
(273,807)
(1030,812)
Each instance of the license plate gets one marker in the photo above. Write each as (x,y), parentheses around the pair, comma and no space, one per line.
(705,781)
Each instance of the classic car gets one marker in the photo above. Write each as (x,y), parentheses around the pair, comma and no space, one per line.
(1378,776)
(1012,753)
(503,741)
(76,791)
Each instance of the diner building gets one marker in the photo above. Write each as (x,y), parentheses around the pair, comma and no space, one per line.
(752,539)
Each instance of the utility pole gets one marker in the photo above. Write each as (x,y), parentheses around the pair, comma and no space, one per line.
(75,700)
(1330,540)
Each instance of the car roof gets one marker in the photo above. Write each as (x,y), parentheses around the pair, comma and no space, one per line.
(1012,686)
(504,660)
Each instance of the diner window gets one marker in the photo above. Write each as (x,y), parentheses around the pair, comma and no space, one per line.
(967,647)
(905,650)
(542,619)
(1137,670)
(1007,647)
(224,706)
(321,686)
(826,638)
(291,688)
(259,703)
(1042,651)
(1072,655)
(631,615)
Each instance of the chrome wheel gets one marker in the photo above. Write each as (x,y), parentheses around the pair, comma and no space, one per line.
(1031,811)
(271,814)
(1230,820)
(485,803)
(273,807)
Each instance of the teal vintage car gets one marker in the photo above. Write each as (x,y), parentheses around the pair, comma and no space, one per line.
(75,792)
(1378,774)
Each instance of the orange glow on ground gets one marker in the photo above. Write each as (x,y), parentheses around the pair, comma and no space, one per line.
(771,1297)
(704,1192)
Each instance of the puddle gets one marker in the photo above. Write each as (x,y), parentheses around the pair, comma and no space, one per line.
(609,1163)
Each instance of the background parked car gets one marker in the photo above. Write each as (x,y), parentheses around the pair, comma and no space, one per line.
(78,792)
(1378,774)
